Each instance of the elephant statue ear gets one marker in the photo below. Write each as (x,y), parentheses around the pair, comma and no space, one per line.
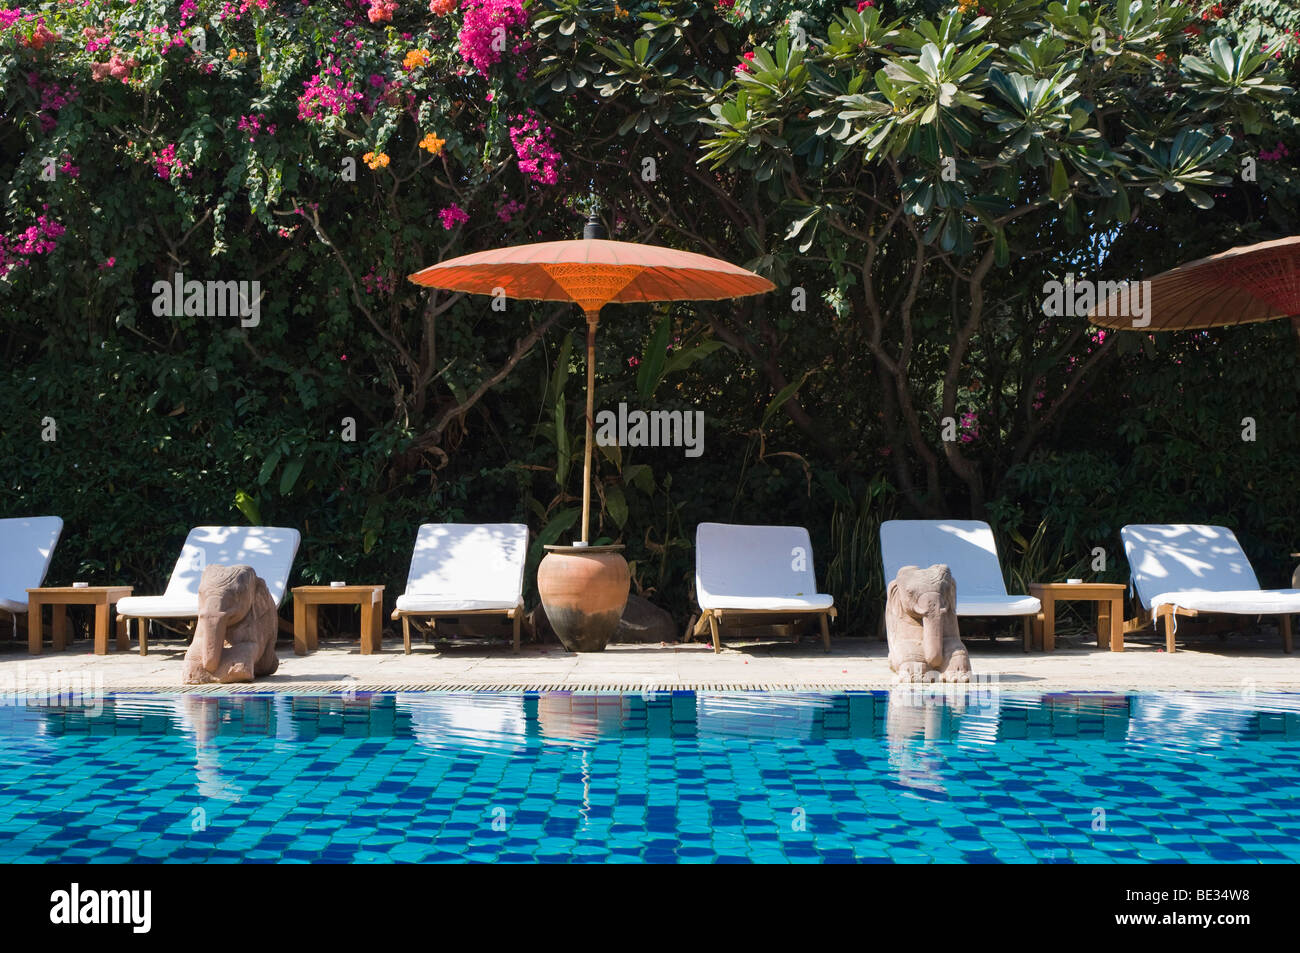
(890,590)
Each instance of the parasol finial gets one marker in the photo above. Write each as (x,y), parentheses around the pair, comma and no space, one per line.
(594,227)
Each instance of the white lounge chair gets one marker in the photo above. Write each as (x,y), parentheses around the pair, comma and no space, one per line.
(756,575)
(465,569)
(269,550)
(26,547)
(967,548)
(1185,569)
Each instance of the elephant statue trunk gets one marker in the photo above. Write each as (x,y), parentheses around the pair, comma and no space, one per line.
(930,608)
(234,639)
(921,625)
(210,634)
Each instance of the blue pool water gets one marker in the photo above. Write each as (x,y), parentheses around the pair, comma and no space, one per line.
(702,777)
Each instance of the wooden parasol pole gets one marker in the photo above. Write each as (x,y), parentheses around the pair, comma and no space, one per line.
(592,318)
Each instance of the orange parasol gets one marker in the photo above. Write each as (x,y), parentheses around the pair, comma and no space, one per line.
(1239,286)
(592,272)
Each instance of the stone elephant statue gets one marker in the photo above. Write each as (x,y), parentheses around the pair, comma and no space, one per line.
(921,625)
(235,637)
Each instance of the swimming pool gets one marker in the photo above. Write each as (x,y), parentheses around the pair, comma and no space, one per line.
(688,777)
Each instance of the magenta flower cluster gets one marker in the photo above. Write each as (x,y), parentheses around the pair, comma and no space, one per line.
(486,29)
(452,216)
(327,94)
(253,126)
(970,427)
(533,146)
(378,283)
(168,164)
(53,98)
(38,239)
(230,9)
(509,209)
(95,40)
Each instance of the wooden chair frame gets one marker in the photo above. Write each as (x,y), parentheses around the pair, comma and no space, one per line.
(713,619)
(1167,616)
(515,616)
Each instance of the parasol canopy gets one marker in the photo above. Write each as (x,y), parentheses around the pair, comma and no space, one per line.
(1239,286)
(591,272)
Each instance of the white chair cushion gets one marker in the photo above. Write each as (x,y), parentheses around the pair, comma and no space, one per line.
(159,607)
(966,547)
(991,605)
(811,603)
(269,550)
(26,547)
(1184,558)
(1241,602)
(418,603)
(464,566)
(756,568)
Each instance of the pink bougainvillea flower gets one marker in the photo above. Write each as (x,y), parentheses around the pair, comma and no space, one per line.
(116,68)
(381,11)
(327,94)
(487,23)
(168,165)
(38,239)
(452,216)
(533,147)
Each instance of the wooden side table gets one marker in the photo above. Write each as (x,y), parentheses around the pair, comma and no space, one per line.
(308,599)
(58,598)
(1109,597)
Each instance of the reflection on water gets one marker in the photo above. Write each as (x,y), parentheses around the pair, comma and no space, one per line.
(1191,720)
(916,720)
(508,722)
(488,723)
(577,717)
(917,729)
(779,715)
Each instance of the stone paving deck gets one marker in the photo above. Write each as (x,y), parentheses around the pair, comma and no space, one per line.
(1211,664)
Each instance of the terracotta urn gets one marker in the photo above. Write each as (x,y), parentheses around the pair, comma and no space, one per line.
(584,591)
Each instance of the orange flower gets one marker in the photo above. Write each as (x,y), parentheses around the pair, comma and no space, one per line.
(432,143)
(376,160)
(415,58)
(441,7)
